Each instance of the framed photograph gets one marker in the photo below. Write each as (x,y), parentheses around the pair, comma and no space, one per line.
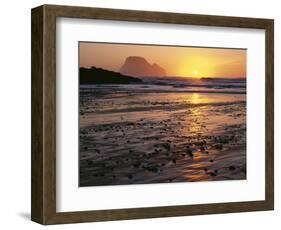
(141,114)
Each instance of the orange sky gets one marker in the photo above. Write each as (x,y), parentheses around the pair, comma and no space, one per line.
(177,61)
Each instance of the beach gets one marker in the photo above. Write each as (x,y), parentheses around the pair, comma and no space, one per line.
(139,134)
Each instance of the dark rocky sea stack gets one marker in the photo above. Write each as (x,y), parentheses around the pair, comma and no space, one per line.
(139,67)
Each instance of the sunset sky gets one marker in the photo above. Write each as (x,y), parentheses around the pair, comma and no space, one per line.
(194,62)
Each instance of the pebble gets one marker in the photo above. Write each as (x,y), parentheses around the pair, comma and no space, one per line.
(189,153)
(213,174)
(167,146)
(202,148)
(231,168)
(218,146)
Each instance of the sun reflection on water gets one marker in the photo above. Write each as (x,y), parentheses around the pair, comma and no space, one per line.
(195,98)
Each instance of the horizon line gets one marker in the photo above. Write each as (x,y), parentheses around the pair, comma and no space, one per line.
(167,76)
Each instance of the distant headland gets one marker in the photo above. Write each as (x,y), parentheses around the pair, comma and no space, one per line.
(95,75)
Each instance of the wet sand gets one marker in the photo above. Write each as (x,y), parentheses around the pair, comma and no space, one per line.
(129,137)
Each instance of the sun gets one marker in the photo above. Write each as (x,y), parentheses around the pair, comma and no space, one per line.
(195,73)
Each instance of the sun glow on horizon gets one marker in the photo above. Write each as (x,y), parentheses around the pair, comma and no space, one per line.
(195,73)
(193,62)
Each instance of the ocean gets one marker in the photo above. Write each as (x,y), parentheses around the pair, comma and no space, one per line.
(162,131)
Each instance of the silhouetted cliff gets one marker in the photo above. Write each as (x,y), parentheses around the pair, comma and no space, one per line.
(139,67)
(101,76)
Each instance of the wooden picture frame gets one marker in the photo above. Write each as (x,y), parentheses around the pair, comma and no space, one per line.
(43,208)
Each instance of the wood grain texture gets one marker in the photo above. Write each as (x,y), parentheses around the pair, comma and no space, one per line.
(269,116)
(37,188)
(44,114)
